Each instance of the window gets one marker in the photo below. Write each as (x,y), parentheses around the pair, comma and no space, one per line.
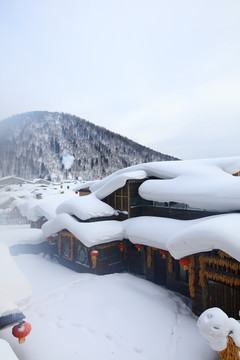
(66,248)
(82,254)
(115,255)
(135,200)
(183,275)
(103,254)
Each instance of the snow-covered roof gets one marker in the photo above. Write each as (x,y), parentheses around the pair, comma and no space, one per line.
(91,206)
(206,183)
(34,208)
(15,288)
(86,207)
(90,234)
(103,188)
(14,179)
(180,237)
(185,237)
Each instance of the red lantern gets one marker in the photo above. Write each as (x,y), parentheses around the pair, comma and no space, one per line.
(50,239)
(94,254)
(139,247)
(76,192)
(185,262)
(21,330)
(121,246)
(163,253)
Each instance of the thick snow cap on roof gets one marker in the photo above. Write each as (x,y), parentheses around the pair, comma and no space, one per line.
(206,184)
(89,234)
(14,288)
(34,208)
(214,232)
(186,237)
(180,237)
(111,183)
(86,207)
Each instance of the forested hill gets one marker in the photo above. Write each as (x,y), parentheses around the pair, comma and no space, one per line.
(55,145)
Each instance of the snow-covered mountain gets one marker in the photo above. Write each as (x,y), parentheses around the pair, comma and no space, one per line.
(58,145)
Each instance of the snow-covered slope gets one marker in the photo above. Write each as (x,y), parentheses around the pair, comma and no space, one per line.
(57,145)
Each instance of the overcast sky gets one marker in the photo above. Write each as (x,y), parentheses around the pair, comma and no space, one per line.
(164,73)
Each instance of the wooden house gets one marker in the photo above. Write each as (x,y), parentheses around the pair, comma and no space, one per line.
(203,273)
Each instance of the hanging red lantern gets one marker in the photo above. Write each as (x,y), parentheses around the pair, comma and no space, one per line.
(50,239)
(21,330)
(139,247)
(94,254)
(121,246)
(163,253)
(76,192)
(185,262)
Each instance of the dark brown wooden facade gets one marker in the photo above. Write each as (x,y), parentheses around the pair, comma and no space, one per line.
(212,279)
(72,253)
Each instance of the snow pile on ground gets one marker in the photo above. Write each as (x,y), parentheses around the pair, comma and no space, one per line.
(14,287)
(6,353)
(16,235)
(116,316)
(215,326)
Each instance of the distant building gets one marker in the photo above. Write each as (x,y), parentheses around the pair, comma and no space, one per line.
(13,180)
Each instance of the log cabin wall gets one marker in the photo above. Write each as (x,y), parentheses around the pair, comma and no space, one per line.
(72,253)
(126,200)
(136,260)
(151,265)
(219,281)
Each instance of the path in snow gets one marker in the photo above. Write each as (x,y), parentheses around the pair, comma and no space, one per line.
(111,317)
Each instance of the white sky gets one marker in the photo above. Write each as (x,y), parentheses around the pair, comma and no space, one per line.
(163,73)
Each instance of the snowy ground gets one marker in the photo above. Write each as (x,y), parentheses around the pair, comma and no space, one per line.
(111,317)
